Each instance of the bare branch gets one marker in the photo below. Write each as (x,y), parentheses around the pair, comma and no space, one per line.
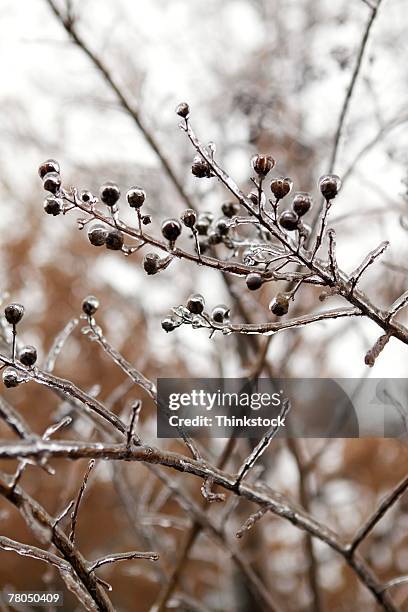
(126,556)
(74,515)
(367,261)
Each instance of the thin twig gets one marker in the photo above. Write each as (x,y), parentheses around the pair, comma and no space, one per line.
(74,515)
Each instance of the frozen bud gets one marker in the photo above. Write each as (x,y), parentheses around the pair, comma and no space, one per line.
(50,165)
(52,182)
(171,229)
(281,186)
(189,218)
(109,193)
(97,234)
(14,313)
(279,305)
(90,305)
(253,197)
(10,378)
(146,219)
(169,324)
(196,303)
(28,355)
(262,164)
(151,263)
(135,197)
(230,209)
(253,281)
(86,196)
(114,240)
(302,203)
(304,230)
(222,226)
(200,168)
(288,220)
(329,185)
(183,110)
(220,314)
(53,206)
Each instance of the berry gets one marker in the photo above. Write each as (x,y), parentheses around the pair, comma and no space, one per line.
(253,281)
(196,303)
(214,238)
(53,206)
(146,219)
(114,240)
(253,197)
(10,378)
(202,225)
(183,110)
(151,263)
(189,218)
(109,193)
(200,168)
(135,197)
(90,305)
(302,203)
(169,324)
(222,226)
(52,182)
(230,209)
(262,164)
(220,313)
(288,220)
(97,234)
(50,165)
(171,229)
(86,196)
(329,185)
(279,305)
(281,186)
(28,355)
(14,313)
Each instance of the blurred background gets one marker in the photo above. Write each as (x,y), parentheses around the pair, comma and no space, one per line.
(260,76)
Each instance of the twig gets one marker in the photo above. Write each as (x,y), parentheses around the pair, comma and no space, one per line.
(74,515)
(126,556)
(374,352)
(262,445)
(251,520)
(367,261)
(377,515)
(332,254)
(136,407)
(58,345)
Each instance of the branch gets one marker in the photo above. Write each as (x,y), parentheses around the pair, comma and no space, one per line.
(126,556)
(74,515)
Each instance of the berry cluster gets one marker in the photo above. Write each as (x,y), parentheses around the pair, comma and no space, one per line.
(193,313)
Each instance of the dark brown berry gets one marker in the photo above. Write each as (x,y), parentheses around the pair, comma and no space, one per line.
(281,186)
(14,313)
(146,219)
(10,378)
(200,168)
(279,305)
(151,263)
(97,235)
(253,197)
(288,220)
(222,226)
(220,313)
(52,182)
(302,203)
(189,218)
(86,196)
(183,110)
(214,238)
(135,197)
(202,225)
(196,303)
(329,185)
(53,206)
(109,193)
(50,165)
(28,355)
(171,229)
(90,305)
(230,209)
(169,324)
(262,164)
(253,281)
(114,240)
